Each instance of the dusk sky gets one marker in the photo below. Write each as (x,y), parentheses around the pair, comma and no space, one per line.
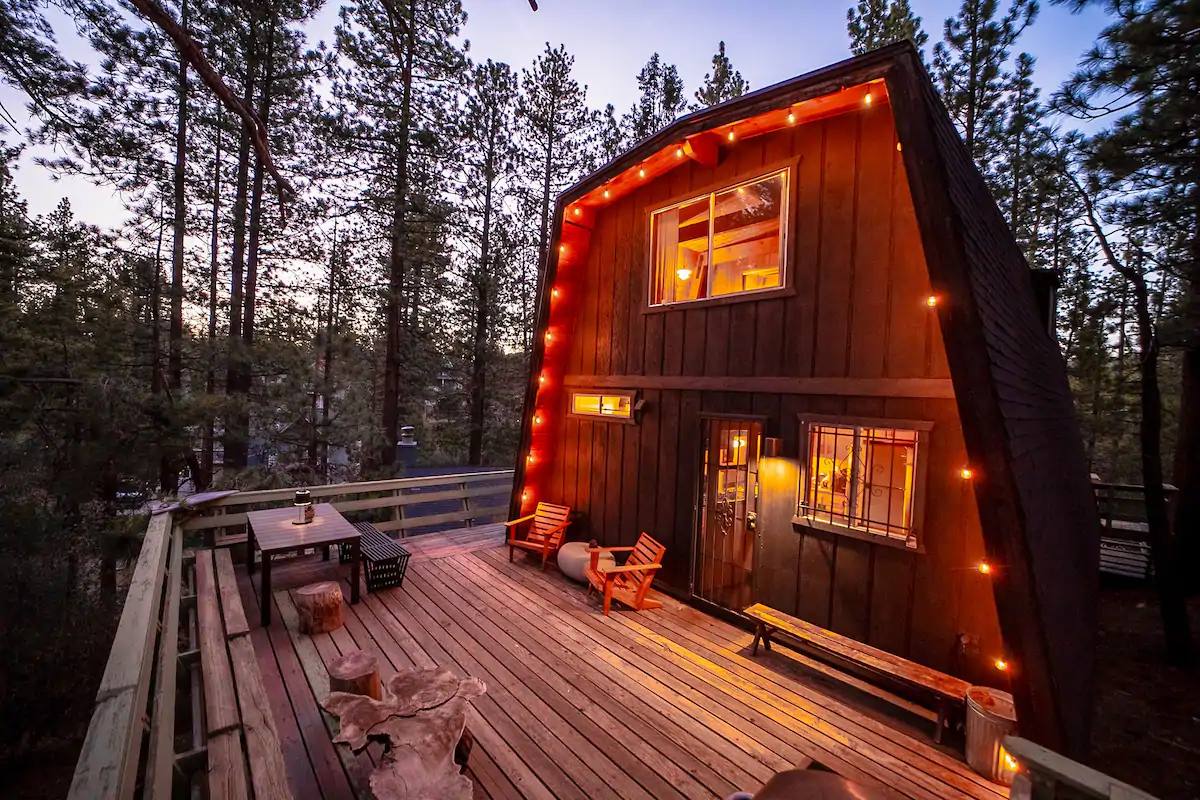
(767,41)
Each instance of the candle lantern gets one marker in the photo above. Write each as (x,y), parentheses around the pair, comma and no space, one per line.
(304,507)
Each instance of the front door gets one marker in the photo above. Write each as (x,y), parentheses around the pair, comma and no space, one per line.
(723,570)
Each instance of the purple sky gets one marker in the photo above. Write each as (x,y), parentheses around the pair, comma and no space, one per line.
(767,41)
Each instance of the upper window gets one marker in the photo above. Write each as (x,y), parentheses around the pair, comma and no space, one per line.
(727,242)
(864,477)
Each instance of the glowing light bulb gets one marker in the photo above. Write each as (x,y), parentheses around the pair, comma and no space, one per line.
(731,136)
(683,273)
(555,293)
(867,99)
(965,473)
(985,567)
(577,211)
(898,147)
(679,152)
(641,173)
(1011,764)
(741,190)
(537,419)
(548,337)
(606,194)
(1001,664)
(529,458)
(931,301)
(525,495)
(739,441)
(562,248)
(791,118)
(542,378)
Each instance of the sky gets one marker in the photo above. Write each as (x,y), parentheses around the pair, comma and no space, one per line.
(766,40)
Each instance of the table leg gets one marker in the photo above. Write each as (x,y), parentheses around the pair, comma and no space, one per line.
(265,597)
(354,567)
(249,549)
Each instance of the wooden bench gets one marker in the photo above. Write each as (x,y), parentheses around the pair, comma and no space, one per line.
(385,562)
(947,692)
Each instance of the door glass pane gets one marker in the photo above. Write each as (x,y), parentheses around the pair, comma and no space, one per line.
(679,243)
(746,236)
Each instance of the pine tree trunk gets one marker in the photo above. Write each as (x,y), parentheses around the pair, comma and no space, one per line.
(327,377)
(170,469)
(482,300)
(1187,448)
(393,310)
(208,446)
(237,422)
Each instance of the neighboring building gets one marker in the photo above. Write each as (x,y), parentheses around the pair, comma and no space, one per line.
(792,338)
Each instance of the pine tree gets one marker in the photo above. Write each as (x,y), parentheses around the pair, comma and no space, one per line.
(660,103)
(875,23)
(611,139)
(554,124)
(723,83)
(969,66)
(16,233)
(1151,149)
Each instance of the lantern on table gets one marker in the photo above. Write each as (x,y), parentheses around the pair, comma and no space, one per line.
(304,507)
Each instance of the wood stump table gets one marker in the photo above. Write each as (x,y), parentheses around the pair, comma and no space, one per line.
(356,673)
(320,607)
(422,723)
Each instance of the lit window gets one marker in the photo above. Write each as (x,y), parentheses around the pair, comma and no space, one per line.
(616,405)
(864,477)
(727,242)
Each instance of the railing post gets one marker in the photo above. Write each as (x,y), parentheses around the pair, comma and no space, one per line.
(466,505)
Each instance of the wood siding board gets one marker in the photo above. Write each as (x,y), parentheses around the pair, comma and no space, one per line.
(686,485)
(674,570)
(604,290)
(910,320)
(673,331)
(648,459)
(569,461)
(614,483)
(801,319)
(583,473)
(872,244)
(694,341)
(638,265)
(742,322)
(716,346)
(891,599)
(623,271)
(837,246)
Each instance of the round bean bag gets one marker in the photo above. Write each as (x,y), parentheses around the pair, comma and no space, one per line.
(573,559)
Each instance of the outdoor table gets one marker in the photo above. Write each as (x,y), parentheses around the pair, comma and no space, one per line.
(273,531)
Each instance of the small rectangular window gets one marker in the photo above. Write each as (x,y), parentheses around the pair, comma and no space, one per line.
(862,476)
(725,242)
(616,405)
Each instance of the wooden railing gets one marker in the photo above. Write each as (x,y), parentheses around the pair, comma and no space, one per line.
(1046,775)
(402,504)
(131,740)
(1124,533)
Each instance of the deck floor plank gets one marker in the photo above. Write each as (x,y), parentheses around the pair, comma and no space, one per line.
(556,721)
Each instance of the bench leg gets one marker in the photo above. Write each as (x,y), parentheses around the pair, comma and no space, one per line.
(511,550)
(758,636)
(943,709)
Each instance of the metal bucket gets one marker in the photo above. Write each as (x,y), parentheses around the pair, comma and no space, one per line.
(991,716)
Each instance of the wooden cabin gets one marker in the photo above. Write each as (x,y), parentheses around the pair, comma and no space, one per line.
(792,338)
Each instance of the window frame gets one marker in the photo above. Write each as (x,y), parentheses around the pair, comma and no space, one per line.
(631,394)
(790,170)
(915,541)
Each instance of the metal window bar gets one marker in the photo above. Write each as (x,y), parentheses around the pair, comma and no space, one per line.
(860,462)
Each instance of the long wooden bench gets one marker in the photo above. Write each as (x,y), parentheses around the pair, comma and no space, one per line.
(947,692)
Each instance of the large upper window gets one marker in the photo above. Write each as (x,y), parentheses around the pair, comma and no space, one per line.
(864,477)
(722,243)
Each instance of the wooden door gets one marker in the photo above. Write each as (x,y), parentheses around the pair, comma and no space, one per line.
(726,541)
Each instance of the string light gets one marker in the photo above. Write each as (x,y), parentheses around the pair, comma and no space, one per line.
(578,211)
(555,292)
(606,194)
(898,147)
(1001,665)
(867,99)
(679,152)
(931,301)
(529,459)
(562,248)
(965,473)
(548,337)
(985,568)
(791,118)
(537,419)
(731,136)
(641,173)
(542,378)
(525,495)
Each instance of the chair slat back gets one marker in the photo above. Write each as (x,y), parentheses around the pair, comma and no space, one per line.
(646,551)
(547,517)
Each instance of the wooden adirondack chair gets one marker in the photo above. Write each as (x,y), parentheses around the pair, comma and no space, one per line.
(629,583)
(546,533)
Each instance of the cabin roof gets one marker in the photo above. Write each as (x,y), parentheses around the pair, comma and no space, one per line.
(1031,481)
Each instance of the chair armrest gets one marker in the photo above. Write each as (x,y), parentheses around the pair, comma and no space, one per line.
(510,523)
(631,568)
(610,549)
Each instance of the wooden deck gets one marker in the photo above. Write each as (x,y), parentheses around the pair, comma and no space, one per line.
(658,704)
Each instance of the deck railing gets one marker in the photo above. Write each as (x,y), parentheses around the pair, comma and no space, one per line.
(1047,775)
(405,505)
(1124,545)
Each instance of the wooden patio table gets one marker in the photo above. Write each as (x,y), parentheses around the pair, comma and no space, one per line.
(273,531)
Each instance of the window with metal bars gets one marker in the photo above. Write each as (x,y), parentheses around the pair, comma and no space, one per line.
(863,475)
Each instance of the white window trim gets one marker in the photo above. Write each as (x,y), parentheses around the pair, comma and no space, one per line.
(914,541)
(785,225)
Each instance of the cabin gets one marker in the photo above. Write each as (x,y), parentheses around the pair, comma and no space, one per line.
(792,339)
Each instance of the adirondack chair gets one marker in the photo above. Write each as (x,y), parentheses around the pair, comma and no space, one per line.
(546,533)
(629,583)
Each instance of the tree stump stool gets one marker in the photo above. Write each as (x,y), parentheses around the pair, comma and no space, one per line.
(320,607)
(357,673)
